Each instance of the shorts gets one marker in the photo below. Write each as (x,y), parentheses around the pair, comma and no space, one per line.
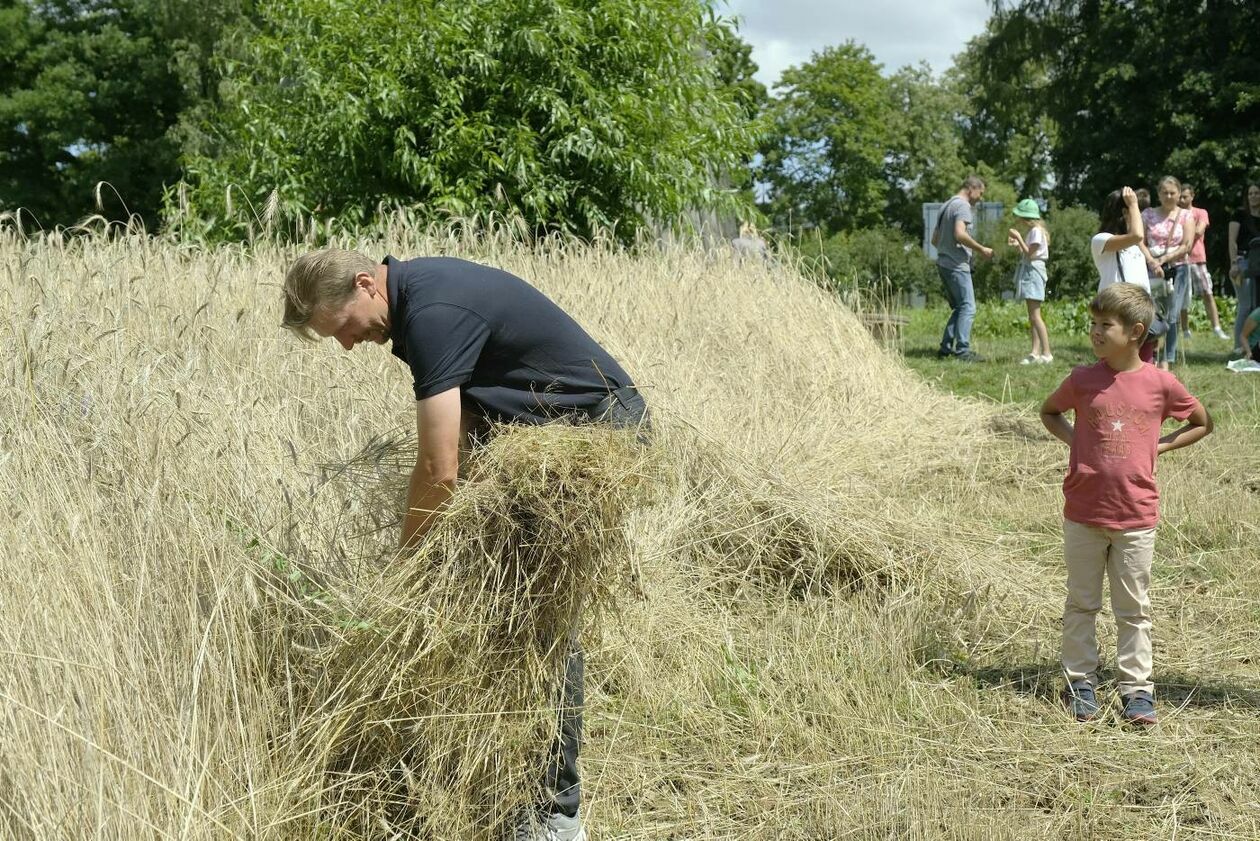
(1200,280)
(1030,281)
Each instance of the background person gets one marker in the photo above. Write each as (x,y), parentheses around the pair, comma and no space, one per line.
(1250,339)
(749,244)
(1111,503)
(1030,275)
(1116,249)
(955,247)
(1169,237)
(1200,278)
(1243,229)
(482,345)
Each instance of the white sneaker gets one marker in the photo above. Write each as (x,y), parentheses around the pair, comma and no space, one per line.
(555,827)
(1045,360)
(1030,359)
(1220,334)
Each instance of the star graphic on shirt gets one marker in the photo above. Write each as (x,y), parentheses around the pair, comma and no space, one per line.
(1117,426)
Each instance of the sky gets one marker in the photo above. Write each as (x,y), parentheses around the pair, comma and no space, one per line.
(899,32)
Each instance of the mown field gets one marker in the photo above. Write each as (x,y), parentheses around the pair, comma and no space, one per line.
(829,607)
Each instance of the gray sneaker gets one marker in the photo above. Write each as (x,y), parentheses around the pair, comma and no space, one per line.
(1079,698)
(551,827)
(1139,708)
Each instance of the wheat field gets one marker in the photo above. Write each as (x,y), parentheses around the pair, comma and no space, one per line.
(822,602)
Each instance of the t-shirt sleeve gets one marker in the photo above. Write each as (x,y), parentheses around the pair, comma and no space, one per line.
(1178,402)
(1064,397)
(1097,243)
(443,344)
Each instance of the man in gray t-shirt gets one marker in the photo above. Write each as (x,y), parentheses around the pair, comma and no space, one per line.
(954,249)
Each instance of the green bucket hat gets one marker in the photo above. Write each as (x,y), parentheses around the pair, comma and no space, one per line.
(1028,209)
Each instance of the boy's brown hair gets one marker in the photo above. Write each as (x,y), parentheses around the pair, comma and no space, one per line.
(1127,302)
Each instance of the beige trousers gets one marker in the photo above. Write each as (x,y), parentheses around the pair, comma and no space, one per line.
(1125,556)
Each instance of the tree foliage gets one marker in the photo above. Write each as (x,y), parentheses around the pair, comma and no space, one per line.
(824,154)
(926,159)
(1006,123)
(576,115)
(90,91)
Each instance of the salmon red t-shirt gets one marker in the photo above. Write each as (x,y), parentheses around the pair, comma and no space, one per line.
(1111,471)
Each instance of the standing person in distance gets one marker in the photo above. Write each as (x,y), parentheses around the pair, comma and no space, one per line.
(482,346)
(1244,261)
(955,247)
(1111,503)
(1117,253)
(1169,236)
(1200,278)
(1030,275)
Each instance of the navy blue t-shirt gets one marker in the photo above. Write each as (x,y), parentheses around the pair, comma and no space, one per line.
(516,355)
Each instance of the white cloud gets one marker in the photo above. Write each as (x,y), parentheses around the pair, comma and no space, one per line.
(784,33)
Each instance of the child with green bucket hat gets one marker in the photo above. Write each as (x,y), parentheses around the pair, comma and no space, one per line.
(1030,275)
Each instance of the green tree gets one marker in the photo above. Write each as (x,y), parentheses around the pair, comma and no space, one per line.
(825,152)
(732,59)
(1007,125)
(577,115)
(89,92)
(926,160)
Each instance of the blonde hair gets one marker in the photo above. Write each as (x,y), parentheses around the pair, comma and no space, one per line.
(1127,302)
(1041,223)
(320,280)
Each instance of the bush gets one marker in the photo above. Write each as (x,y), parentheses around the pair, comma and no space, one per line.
(1071,267)
(882,257)
(571,115)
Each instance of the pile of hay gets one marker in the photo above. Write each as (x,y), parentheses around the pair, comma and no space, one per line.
(429,706)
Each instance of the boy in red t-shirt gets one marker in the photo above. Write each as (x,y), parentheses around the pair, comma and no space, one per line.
(1111,503)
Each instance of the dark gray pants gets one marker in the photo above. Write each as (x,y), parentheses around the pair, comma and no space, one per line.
(622,409)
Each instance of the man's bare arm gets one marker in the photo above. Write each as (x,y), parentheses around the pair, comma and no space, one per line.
(963,238)
(438,430)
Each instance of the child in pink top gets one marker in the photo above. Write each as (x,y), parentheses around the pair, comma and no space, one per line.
(1200,278)
(1111,502)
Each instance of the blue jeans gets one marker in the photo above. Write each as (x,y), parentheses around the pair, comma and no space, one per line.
(962,299)
(1178,300)
(1246,300)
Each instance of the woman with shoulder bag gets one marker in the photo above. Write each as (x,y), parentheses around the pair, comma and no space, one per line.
(1170,233)
(1117,258)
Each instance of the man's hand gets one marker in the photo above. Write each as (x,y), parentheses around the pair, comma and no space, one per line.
(986,252)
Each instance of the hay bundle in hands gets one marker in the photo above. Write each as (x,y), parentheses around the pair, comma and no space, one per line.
(434,716)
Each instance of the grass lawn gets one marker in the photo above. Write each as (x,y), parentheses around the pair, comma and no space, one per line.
(1232,399)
